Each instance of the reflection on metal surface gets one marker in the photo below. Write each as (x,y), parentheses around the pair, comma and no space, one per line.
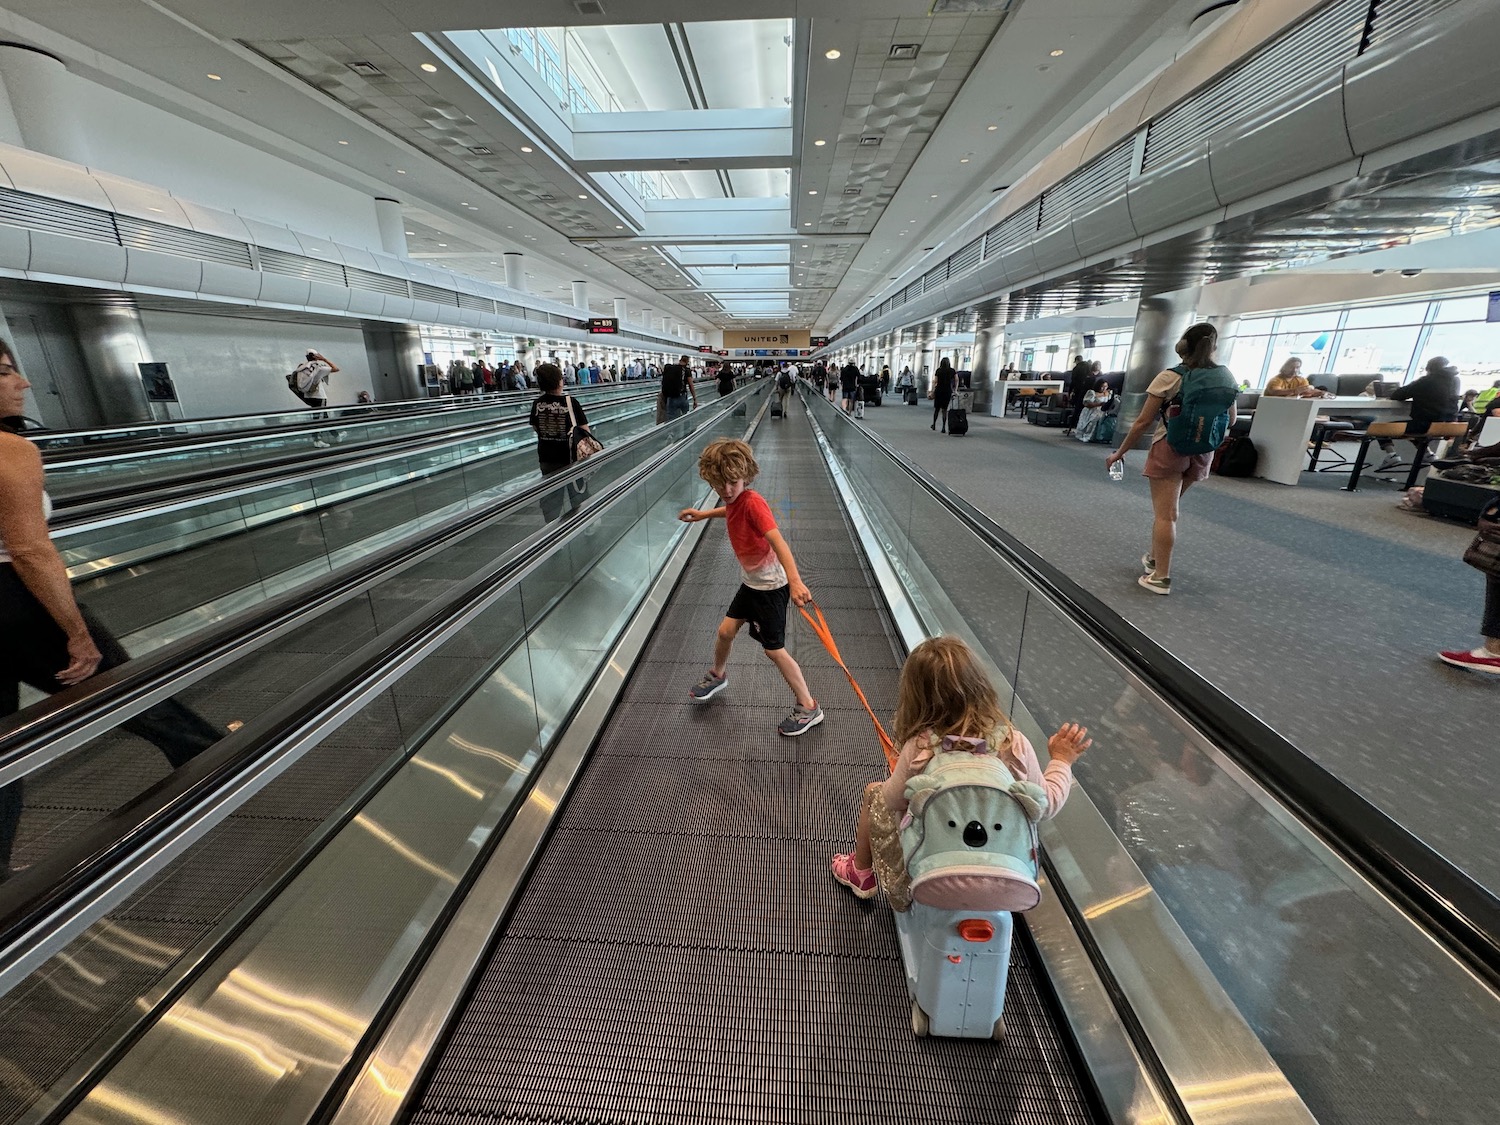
(453,777)
(121,1106)
(259,1050)
(406,852)
(1099,909)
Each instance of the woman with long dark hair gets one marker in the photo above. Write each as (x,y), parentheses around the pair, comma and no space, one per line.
(942,393)
(1172,473)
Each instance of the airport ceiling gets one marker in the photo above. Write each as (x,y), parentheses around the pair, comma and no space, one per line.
(921,116)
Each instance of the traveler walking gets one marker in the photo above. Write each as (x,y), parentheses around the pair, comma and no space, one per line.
(1484,555)
(553,417)
(1199,400)
(677,388)
(942,393)
(726,380)
(50,641)
(311,379)
(849,385)
(1080,380)
(885,380)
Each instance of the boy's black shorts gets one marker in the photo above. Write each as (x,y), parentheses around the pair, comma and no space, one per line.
(765,610)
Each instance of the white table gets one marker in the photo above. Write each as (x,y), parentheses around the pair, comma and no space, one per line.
(1003,387)
(1283,427)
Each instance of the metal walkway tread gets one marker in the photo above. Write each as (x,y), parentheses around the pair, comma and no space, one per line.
(680,953)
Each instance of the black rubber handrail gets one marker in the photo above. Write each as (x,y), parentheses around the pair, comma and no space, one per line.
(66,455)
(105,503)
(28,898)
(1463,915)
(92,704)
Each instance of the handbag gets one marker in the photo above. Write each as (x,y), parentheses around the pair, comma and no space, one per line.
(583,443)
(1484,553)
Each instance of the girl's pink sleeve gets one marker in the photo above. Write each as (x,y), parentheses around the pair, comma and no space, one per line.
(916,752)
(1056,780)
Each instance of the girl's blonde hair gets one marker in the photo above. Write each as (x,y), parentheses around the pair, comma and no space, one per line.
(944,689)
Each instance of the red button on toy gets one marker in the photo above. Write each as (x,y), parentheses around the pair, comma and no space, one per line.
(975,929)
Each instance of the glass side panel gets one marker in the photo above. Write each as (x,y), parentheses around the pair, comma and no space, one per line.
(1368,1018)
(451,743)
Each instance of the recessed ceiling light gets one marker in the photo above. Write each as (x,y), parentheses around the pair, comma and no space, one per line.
(814,191)
(411,232)
(442,244)
(832,54)
(932,197)
(819,144)
(807,224)
(527,148)
(429,68)
(400,171)
(963,159)
(343,142)
(217,77)
(582,196)
(618,227)
(990,128)
(1056,54)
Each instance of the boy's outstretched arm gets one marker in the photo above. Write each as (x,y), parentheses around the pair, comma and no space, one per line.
(801,595)
(693,515)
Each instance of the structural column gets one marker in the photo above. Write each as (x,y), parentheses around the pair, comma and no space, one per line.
(926,335)
(580,295)
(45,103)
(515,271)
(113,342)
(621,311)
(989,350)
(392,226)
(1159,324)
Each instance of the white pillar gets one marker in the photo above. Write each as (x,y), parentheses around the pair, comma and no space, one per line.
(621,313)
(515,271)
(392,226)
(44,99)
(580,294)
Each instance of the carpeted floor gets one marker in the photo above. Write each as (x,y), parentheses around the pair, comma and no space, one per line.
(1317,609)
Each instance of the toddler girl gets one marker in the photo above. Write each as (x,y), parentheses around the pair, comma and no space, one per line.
(945,702)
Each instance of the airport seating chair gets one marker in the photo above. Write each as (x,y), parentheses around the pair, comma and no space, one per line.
(1322,433)
(1396,431)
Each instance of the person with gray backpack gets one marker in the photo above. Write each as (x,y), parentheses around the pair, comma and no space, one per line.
(1192,406)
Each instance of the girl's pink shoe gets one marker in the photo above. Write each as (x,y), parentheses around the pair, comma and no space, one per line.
(862,883)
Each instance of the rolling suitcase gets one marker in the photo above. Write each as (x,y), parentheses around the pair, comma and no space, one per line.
(956,964)
(910,395)
(958,421)
(776,409)
(859,408)
(1456,499)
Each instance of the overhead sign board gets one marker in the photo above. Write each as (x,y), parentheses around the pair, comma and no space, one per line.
(766,338)
(818,342)
(706,348)
(604,325)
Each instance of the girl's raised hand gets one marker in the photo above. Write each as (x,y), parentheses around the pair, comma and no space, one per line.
(1069,743)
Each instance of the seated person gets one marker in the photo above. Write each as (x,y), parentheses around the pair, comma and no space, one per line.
(1433,398)
(1289,383)
(1487,402)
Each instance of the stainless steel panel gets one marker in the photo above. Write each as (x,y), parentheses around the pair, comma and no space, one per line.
(269,234)
(1296,138)
(1174,193)
(323,295)
(15,249)
(364,302)
(229,281)
(1435,74)
(280,290)
(399,308)
(57,179)
(144,201)
(210,220)
(1103,225)
(1055,247)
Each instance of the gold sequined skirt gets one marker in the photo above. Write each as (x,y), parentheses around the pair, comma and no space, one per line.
(885,848)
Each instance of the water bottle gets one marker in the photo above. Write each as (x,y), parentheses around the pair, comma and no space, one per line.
(1117,471)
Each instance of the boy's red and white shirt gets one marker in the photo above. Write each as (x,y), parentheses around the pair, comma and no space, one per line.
(748,518)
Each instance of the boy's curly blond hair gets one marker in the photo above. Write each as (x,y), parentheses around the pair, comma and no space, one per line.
(727,459)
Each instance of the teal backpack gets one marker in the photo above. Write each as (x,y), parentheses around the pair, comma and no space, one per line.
(1203,401)
(969,836)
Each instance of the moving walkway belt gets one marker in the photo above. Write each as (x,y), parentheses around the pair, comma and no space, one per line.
(680,952)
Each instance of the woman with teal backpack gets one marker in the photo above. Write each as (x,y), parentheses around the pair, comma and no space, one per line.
(1193,407)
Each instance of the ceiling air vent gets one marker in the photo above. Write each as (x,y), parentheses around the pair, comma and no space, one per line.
(904,50)
(588,7)
(851,191)
(546,198)
(481,150)
(869,141)
(367,69)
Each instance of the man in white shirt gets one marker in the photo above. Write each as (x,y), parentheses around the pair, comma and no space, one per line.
(312,379)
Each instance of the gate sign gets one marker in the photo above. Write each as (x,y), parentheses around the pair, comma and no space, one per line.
(604,325)
(818,342)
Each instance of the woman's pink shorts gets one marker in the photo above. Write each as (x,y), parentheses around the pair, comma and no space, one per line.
(1165,463)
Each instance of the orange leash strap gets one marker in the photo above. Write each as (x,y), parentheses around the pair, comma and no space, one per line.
(820,627)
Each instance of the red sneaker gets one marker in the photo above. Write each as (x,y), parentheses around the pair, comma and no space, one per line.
(1476,660)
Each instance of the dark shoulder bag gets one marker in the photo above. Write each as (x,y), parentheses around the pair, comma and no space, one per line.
(1484,553)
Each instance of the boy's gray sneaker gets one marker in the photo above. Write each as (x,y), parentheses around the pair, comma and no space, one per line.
(800,721)
(708,687)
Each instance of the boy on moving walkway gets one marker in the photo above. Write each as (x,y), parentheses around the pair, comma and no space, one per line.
(770,579)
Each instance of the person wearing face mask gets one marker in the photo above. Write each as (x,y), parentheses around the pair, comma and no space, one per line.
(50,641)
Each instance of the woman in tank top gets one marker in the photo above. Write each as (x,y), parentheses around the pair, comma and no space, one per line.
(51,642)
